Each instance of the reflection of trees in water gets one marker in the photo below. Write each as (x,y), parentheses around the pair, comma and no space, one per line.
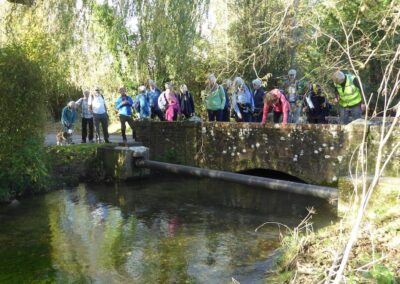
(174,243)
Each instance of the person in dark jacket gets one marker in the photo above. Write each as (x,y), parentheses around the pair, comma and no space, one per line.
(318,109)
(226,113)
(186,102)
(153,95)
(259,95)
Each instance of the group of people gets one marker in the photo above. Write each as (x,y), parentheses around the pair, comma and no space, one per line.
(288,104)
(93,112)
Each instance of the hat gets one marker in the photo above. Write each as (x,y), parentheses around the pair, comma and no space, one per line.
(257,82)
(292,72)
(338,77)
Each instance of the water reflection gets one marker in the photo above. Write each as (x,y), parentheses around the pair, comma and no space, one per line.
(169,231)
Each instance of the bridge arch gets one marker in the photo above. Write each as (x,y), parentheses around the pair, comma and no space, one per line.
(268,173)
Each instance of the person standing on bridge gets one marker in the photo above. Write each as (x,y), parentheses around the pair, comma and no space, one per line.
(97,105)
(348,95)
(279,104)
(186,102)
(173,108)
(215,99)
(242,100)
(142,103)
(87,117)
(124,107)
(318,109)
(153,94)
(291,87)
(259,95)
(226,112)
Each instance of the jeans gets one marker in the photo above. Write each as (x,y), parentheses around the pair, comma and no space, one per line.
(226,115)
(345,112)
(215,115)
(123,119)
(85,123)
(103,119)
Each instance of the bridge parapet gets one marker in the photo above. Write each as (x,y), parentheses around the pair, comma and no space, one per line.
(312,153)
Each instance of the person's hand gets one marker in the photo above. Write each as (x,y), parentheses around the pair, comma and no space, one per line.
(336,100)
(239,115)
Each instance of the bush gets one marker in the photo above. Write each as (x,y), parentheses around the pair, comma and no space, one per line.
(22,117)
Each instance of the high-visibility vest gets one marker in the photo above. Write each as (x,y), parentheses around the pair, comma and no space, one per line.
(349,95)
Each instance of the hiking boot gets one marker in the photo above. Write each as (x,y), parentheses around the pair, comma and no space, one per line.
(83,141)
(107,141)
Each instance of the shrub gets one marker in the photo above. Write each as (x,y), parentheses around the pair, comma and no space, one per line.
(22,116)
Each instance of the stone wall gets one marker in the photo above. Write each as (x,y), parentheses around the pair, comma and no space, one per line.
(309,152)
(317,154)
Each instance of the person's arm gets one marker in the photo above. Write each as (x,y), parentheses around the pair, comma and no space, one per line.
(79,102)
(105,106)
(251,99)
(90,103)
(222,97)
(119,103)
(64,117)
(265,113)
(235,106)
(130,101)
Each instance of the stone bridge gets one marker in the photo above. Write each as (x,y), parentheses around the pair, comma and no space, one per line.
(316,154)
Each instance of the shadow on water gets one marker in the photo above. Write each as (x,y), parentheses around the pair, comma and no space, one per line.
(169,230)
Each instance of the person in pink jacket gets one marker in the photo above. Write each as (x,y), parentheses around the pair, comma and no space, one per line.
(173,108)
(279,104)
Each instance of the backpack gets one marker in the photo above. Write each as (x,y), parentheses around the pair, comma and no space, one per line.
(162,102)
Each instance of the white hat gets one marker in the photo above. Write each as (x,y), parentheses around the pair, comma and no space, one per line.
(257,82)
(338,77)
(292,72)
(212,78)
(71,104)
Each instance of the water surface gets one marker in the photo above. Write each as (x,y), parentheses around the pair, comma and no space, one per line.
(172,230)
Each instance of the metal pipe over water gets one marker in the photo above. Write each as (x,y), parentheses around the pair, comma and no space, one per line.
(324,192)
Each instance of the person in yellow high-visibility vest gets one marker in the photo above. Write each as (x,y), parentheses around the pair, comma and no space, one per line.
(348,95)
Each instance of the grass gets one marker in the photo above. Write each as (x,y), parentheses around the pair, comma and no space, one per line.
(308,257)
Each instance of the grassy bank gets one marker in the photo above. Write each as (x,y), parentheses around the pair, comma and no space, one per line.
(313,257)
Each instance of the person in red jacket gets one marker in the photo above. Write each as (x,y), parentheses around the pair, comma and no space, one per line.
(279,104)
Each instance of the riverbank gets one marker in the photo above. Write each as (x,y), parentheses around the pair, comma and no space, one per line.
(308,256)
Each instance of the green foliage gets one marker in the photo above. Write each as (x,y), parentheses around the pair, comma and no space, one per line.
(22,114)
(381,274)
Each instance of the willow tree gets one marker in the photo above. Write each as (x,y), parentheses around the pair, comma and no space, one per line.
(168,37)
